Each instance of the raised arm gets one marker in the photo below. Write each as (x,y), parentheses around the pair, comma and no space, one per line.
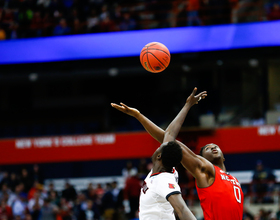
(174,127)
(198,166)
(155,131)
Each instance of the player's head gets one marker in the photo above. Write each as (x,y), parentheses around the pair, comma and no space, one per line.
(212,152)
(170,154)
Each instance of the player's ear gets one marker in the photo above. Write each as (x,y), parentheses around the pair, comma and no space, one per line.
(159,156)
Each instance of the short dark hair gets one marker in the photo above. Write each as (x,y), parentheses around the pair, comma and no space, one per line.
(171,155)
(201,150)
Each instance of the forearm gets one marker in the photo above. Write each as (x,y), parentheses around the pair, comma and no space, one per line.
(155,131)
(186,214)
(180,207)
(174,127)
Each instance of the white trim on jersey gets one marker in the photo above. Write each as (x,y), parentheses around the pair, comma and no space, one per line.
(154,196)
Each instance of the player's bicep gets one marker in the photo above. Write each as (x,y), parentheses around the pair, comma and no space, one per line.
(194,163)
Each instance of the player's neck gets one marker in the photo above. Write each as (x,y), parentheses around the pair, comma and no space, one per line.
(158,169)
(221,166)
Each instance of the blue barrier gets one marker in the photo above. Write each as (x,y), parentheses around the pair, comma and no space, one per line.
(130,43)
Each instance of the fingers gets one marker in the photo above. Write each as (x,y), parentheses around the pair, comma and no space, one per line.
(116,106)
(120,107)
(194,91)
(202,95)
(124,105)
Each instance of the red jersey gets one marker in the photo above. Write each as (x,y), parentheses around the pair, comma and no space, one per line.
(223,199)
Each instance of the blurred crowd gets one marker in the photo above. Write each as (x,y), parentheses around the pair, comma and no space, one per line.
(41,18)
(25,196)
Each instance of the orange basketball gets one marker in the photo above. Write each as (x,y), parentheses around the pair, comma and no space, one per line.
(155,57)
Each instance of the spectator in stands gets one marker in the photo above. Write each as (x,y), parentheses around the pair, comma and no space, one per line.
(143,169)
(247,215)
(69,193)
(5,210)
(5,179)
(127,23)
(2,34)
(51,189)
(89,192)
(19,207)
(128,170)
(5,191)
(21,19)
(108,25)
(93,22)
(108,204)
(1,174)
(44,3)
(48,23)
(262,215)
(25,16)
(278,214)
(91,212)
(193,7)
(262,184)
(219,12)
(65,209)
(80,206)
(7,18)
(16,194)
(132,192)
(119,202)
(117,14)
(48,210)
(13,31)
(37,174)
(14,181)
(99,192)
(26,179)
(34,205)
(37,187)
(77,27)
(62,28)
(115,192)
(104,13)
(54,198)
(36,25)
(274,13)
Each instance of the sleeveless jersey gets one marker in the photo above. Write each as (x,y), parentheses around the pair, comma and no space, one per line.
(223,199)
(154,196)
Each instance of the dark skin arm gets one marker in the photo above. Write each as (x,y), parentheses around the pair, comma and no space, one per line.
(180,207)
(198,166)
(174,127)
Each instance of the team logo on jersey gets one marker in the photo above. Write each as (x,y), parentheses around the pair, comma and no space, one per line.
(171,186)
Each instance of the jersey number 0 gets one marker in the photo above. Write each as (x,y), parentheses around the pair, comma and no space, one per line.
(237,193)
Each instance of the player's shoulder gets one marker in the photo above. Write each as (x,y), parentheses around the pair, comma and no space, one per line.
(164,177)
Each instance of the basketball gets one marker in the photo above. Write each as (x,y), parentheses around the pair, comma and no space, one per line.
(155,57)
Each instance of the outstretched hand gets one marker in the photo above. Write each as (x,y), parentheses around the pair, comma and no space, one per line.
(125,109)
(194,99)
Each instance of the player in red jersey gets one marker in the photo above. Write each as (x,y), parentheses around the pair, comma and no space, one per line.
(220,194)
